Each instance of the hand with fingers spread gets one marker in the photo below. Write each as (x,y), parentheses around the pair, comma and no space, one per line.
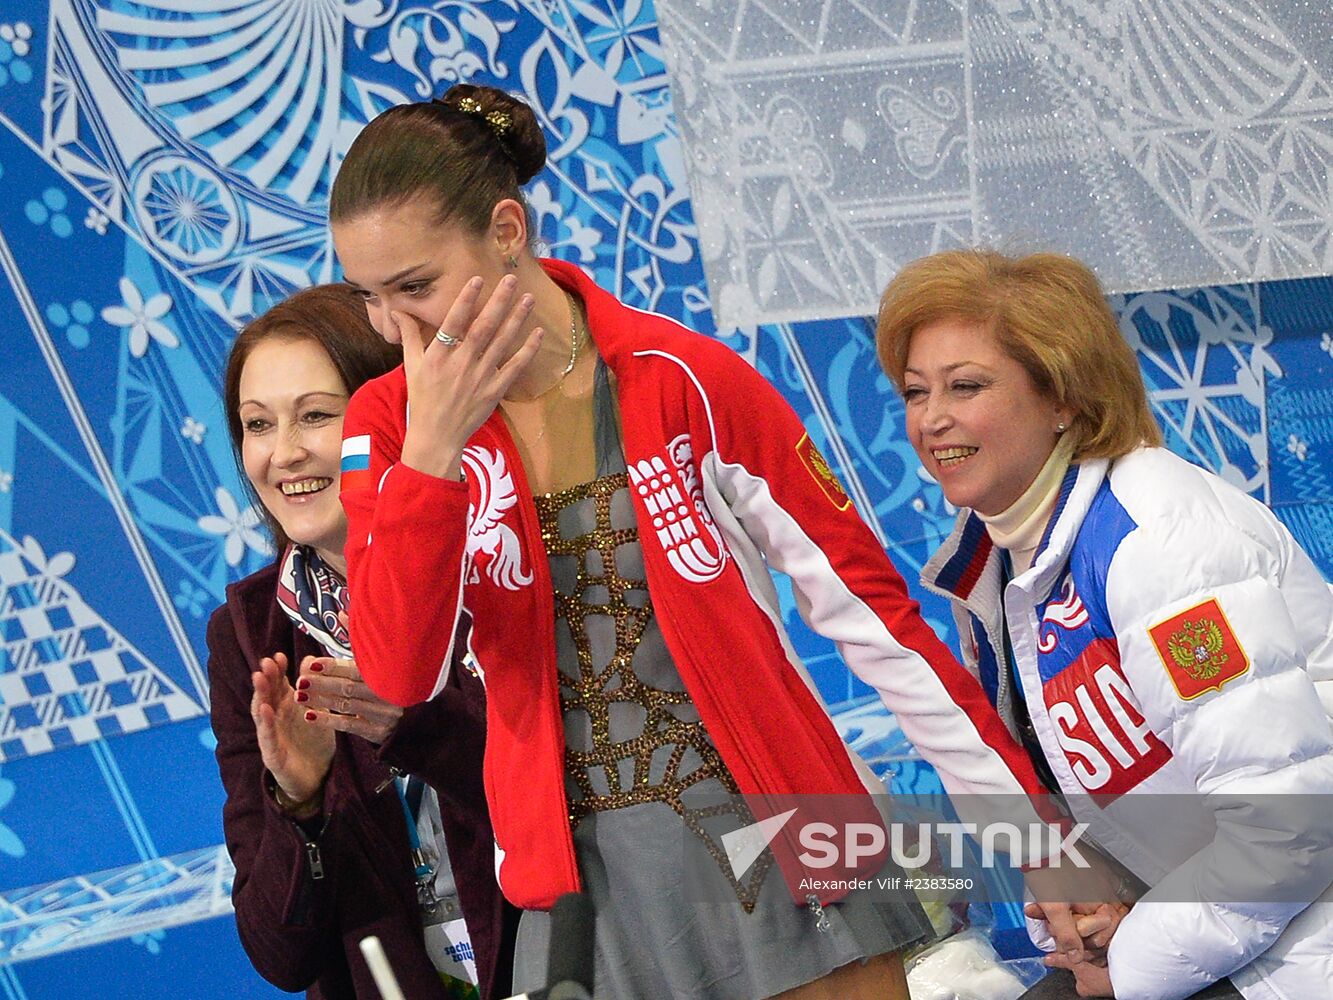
(297,754)
(333,697)
(457,375)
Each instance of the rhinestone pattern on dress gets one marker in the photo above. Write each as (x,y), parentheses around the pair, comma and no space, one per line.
(672,752)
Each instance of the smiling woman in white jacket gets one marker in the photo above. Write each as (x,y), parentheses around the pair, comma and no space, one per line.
(1142,626)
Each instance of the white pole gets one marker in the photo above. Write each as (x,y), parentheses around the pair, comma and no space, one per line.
(379,968)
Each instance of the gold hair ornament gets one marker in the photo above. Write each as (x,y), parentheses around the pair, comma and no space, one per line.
(500,122)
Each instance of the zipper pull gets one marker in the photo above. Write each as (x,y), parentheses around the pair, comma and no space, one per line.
(394,773)
(821,918)
(316,862)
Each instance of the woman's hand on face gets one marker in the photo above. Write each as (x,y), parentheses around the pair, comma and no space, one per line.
(332,696)
(296,753)
(452,389)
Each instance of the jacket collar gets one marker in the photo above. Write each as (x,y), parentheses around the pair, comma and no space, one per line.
(616,339)
(260,625)
(966,567)
(598,305)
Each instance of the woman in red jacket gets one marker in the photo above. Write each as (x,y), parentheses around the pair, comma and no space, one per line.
(604,499)
(321,775)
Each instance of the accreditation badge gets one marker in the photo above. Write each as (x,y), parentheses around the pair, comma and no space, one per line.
(450,947)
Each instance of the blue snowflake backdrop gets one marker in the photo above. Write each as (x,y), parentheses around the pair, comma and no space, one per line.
(165,178)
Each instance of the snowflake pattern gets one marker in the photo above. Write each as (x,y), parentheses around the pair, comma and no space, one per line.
(96,220)
(238,528)
(6,480)
(73,319)
(1297,447)
(15,43)
(187,211)
(143,319)
(151,941)
(620,32)
(19,37)
(190,598)
(193,430)
(49,211)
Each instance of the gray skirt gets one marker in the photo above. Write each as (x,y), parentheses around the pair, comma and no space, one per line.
(667,933)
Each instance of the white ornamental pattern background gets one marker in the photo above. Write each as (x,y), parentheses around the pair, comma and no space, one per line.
(166,169)
(1166,142)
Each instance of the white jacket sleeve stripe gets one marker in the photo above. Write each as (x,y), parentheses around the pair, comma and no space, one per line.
(908,685)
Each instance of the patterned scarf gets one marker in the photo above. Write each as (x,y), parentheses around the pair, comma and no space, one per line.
(312,594)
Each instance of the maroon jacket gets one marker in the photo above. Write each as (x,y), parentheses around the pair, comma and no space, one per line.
(301,932)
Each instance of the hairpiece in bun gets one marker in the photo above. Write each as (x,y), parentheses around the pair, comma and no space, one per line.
(464,151)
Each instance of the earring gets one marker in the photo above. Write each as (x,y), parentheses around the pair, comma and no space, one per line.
(512,261)
(1060,428)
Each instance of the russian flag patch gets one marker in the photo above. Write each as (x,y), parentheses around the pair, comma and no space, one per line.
(355,462)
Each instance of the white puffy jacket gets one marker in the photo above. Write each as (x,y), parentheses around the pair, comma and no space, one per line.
(1172,637)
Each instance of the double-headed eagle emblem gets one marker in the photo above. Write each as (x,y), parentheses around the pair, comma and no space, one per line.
(1197,648)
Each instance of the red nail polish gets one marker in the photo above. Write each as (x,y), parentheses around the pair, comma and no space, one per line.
(310,717)
(302,696)
(303,683)
(317,667)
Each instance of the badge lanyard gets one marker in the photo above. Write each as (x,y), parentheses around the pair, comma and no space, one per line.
(411,796)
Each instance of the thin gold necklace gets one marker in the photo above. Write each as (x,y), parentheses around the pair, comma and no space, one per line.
(575,336)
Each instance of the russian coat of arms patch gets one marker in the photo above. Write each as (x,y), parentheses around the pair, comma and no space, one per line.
(819,470)
(1199,650)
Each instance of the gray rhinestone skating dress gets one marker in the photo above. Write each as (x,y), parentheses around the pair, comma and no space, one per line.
(642,777)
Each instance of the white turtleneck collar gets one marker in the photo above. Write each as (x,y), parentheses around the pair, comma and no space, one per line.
(1019,528)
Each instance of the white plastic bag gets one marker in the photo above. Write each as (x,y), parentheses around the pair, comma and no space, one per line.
(962,967)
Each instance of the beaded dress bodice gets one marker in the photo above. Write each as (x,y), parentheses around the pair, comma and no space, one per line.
(632,732)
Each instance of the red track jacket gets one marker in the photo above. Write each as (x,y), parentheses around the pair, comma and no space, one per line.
(726,484)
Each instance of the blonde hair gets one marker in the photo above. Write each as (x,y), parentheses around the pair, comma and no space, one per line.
(1049,314)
